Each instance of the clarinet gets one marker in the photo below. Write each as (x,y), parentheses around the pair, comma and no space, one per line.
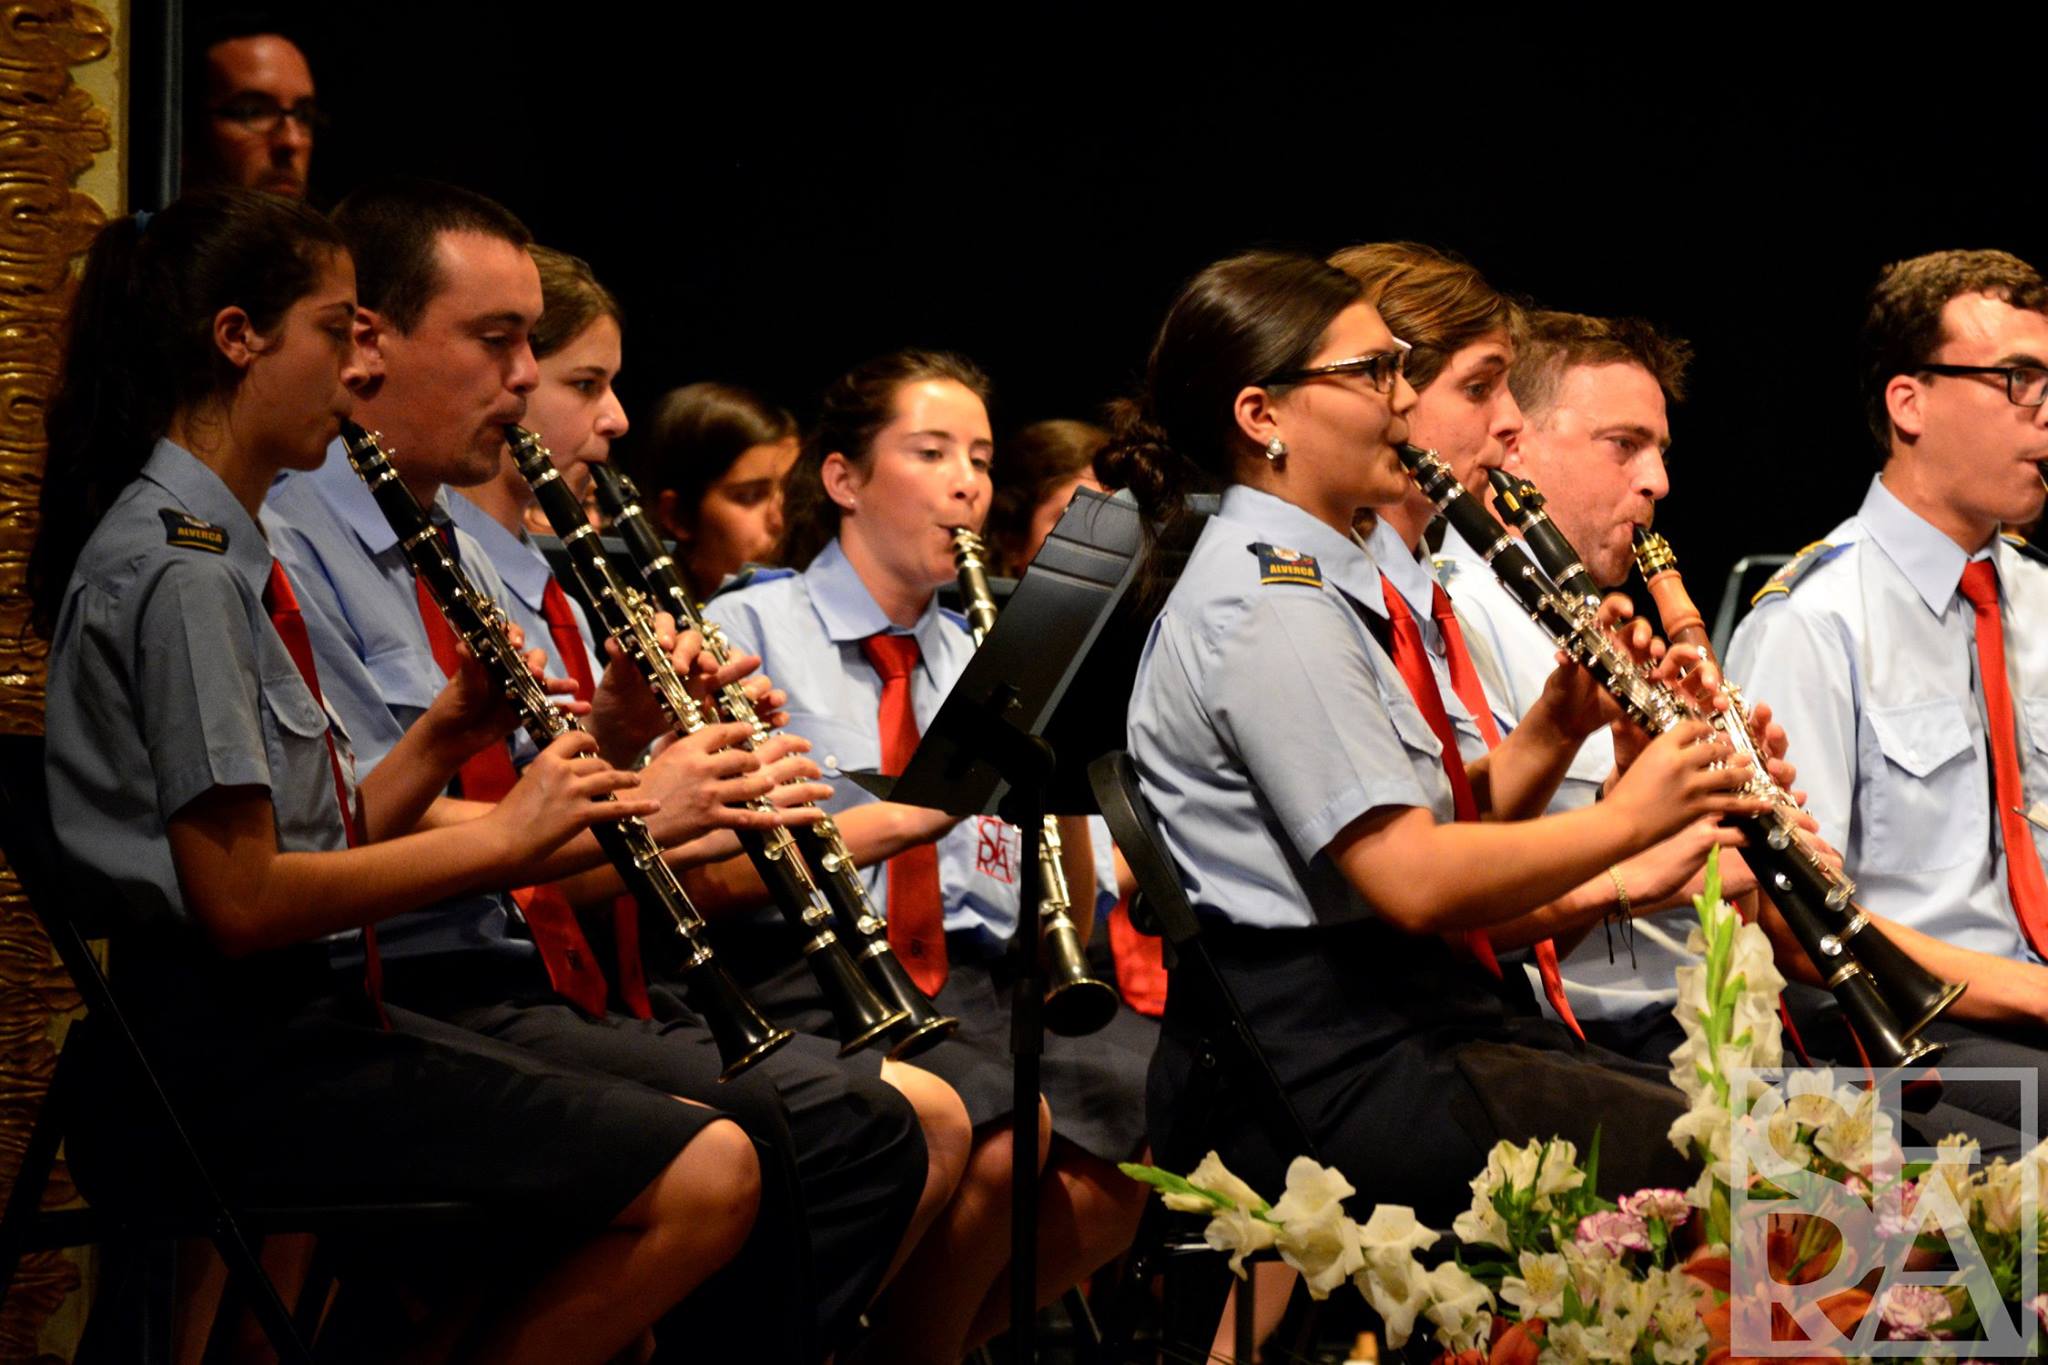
(743,1035)
(1888,997)
(855,917)
(859,1015)
(1076,1003)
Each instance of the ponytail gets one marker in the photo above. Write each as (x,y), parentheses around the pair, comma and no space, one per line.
(140,349)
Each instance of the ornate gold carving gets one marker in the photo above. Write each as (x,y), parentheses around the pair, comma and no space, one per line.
(50,131)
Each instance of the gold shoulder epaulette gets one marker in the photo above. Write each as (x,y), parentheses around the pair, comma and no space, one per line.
(1796,568)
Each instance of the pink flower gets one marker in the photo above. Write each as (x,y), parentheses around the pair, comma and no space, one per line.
(1669,1207)
(1894,1208)
(1910,1311)
(1612,1233)
(2039,1303)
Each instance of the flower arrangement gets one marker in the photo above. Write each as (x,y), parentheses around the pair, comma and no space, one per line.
(1543,1271)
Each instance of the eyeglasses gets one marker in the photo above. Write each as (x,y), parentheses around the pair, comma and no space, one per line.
(261,115)
(1381,367)
(2025,385)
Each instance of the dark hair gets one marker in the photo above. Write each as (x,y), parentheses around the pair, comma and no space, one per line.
(393,228)
(854,410)
(1555,342)
(227,26)
(1903,329)
(571,298)
(697,433)
(1431,299)
(1035,461)
(141,348)
(1233,324)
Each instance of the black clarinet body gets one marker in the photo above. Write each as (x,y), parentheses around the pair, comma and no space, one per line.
(743,1035)
(823,847)
(861,1015)
(1887,996)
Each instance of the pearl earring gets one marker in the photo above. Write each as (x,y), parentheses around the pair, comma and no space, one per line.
(1276,449)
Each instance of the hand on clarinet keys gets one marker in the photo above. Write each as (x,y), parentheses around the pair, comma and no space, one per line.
(559,795)
(1687,772)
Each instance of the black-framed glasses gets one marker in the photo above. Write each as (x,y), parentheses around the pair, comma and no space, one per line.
(2025,385)
(1381,367)
(261,114)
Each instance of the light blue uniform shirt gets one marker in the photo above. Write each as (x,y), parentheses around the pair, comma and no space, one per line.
(807,628)
(1266,717)
(377,669)
(1870,663)
(524,571)
(1599,988)
(1413,581)
(167,679)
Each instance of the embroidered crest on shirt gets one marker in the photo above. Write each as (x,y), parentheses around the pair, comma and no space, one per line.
(1796,568)
(1278,564)
(996,847)
(188,532)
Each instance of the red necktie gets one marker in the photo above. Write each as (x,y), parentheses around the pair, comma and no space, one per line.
(568,637)
(2023,876)
(283,605)
(917,922)
(572,968)
(567,634)
(1465,682)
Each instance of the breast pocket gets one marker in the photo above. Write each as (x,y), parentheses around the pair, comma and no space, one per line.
(1425,752)
(838,749)
(302,789)
(1926,795)
(2034,759)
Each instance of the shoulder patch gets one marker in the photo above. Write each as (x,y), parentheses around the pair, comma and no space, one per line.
(1797,567)
(1280,565)
(2025,547)
(188,532)
(749,575)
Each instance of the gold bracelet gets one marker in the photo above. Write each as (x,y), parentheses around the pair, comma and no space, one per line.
(1620,892)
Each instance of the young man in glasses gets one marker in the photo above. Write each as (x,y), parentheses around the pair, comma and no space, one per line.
(1907,653)
(254,115)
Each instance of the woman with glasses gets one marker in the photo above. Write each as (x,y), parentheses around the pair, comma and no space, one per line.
(901,456)
(1294,763)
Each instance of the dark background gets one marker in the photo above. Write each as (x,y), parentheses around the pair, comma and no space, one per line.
(776,195)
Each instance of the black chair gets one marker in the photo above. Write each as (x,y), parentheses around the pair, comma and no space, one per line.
(183,1199)
(1744,579)
(1232,1069)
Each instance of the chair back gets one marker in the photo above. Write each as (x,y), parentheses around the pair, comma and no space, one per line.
(1136,830)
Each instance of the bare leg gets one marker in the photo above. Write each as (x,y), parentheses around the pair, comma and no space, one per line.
(1275,1282)
(604,1296)
(1087,1213)
(948,1142)
(925,1320)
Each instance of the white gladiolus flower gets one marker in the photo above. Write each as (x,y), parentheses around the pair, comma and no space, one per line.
(1557,1173)
(1460,1306)
(1238,1232)
(1316,1237)
(1212,1174)
(1397,1287)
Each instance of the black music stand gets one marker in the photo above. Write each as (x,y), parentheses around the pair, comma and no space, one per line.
(987,752)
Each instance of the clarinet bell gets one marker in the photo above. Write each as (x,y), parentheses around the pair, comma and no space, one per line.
(1076,1004)
(922,1027)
